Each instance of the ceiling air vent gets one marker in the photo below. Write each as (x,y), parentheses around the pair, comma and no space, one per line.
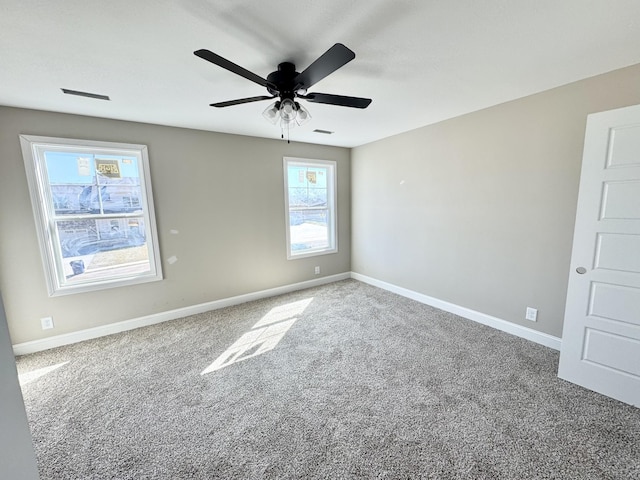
(85,94)
(326,132)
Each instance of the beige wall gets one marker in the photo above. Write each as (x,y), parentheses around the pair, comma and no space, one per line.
(479,210)
(223,193)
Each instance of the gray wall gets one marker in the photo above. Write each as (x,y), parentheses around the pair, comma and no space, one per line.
(479,210)
(17,458)
(223,193)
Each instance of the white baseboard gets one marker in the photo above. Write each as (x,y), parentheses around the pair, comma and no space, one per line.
(88,334)
(517,330)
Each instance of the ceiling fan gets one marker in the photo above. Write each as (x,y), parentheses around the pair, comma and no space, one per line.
(288,85)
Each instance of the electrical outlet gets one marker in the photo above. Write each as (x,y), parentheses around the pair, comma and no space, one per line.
(317,270)
(47,323)
(532,314)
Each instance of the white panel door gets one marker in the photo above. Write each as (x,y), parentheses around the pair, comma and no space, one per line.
(601,336)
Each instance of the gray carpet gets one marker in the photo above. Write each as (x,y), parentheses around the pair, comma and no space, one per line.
(355,383)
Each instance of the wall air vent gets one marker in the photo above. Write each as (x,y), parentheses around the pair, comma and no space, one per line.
(326,132)
(85,94)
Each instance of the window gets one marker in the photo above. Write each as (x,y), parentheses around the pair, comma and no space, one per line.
(94,213)
(310,201)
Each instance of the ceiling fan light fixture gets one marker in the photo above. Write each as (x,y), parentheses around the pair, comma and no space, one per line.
(303,114)
(271,113)
(288,111)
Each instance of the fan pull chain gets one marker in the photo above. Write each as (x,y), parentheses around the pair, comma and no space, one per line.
(282,133)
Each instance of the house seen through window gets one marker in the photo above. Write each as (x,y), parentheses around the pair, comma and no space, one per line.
(93,208)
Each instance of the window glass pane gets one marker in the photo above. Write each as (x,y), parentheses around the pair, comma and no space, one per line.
(298,197)
(73,167)
(297,176)
(317,197)
(117,198)
(83,183)
(309,230)
(307,186)
(317,177)
(102,248)
(89,236)
(307,197)
(69,168)
(72,199)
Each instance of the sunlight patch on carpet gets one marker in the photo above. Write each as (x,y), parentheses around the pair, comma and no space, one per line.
(263,336)
(29,377)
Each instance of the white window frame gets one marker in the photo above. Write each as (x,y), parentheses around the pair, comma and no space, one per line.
(331,208)
(33,149)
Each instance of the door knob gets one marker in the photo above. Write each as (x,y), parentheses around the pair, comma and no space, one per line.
(581,270)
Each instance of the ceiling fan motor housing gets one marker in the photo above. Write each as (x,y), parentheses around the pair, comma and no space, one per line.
(283,78)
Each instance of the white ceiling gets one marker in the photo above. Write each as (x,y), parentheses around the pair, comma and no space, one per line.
(420,61)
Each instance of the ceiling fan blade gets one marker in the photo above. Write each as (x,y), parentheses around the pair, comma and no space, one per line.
(240,101)
(343,101)
(232,67)
(327,63)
